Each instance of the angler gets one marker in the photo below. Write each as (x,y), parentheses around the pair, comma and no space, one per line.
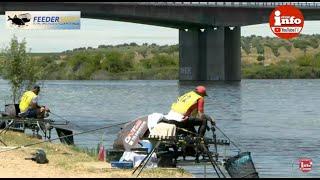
(188,111)
(29,105)
(29,115)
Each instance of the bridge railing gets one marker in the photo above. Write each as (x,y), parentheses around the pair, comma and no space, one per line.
(234,4)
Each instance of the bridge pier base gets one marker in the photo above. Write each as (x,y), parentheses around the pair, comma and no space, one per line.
(211,54)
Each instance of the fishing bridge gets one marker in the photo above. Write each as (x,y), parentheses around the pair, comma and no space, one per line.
(209,32)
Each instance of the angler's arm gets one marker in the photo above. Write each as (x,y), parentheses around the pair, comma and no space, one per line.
(201,109)
(34,103)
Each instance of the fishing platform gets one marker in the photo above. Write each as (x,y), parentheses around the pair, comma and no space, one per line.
(175,146)
(10,119)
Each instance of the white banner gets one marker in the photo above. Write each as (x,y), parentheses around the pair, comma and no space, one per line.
(42,19)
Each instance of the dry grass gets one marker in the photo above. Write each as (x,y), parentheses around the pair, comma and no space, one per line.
(64,161)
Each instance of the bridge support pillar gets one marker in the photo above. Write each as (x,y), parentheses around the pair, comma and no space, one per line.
(214,43)
(189,66)
(232,52)
(211,54)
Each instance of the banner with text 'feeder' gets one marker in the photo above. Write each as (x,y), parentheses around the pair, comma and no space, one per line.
(43,19)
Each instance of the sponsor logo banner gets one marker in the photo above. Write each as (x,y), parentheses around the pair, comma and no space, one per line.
(286,21)
(42,19)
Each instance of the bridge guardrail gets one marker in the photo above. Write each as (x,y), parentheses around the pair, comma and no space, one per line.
(232,4)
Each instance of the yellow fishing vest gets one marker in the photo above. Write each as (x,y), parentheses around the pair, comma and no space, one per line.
(184,102)
(26,100)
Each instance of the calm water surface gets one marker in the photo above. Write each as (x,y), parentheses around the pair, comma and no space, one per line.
(278,121)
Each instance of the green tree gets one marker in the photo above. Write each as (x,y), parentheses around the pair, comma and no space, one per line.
(274,45)
(245,44)
(287,45)
(256,42)
(260,49)
(19,68)
(301,44)
(260,59)
(1,63)
(313,42)
(116,62)
(147,63)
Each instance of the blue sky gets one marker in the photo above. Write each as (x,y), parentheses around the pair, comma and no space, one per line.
(96,32)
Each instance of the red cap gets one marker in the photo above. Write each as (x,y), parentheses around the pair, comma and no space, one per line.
(201,90)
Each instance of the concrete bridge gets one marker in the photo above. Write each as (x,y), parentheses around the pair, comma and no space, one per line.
(209,32)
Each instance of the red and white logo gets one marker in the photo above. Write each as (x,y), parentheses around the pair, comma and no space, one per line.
(286,21)
(305,164)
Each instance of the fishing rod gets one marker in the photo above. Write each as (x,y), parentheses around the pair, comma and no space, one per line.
(71,122)
(185,130)
(227,137)
(59,116)
(214,124)
(105,127)
(68,121)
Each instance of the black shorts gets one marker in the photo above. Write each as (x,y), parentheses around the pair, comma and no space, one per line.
(31,113)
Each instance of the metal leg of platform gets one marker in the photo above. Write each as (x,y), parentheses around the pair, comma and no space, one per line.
(4,130)
(146,159)
(205,171)
(7,127)
(213,162)
(3,143)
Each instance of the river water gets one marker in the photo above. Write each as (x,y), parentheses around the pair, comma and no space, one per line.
(278,121)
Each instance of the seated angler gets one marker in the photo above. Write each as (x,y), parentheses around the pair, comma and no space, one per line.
(188,111)
(29,105)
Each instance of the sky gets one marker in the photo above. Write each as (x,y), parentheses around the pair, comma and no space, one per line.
(95,32)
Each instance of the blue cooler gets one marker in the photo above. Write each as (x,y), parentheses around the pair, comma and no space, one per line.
(122,165)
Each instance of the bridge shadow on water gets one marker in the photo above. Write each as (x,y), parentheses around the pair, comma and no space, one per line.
(209,83)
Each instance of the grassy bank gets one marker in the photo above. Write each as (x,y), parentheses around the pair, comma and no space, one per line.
(64,161)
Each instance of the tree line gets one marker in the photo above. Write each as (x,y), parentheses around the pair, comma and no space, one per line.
(148,61)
